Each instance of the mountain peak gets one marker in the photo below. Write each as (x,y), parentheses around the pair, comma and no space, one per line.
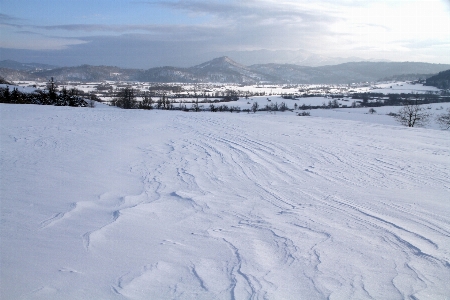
(224,59)
(223,62)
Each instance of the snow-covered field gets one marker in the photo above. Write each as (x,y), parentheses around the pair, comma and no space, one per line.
(107,203)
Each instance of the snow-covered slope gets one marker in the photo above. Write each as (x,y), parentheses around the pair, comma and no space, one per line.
(124,204)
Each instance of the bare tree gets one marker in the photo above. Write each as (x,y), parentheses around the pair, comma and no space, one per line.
(147,102)
(126,98)
(412,115)
(91,103)
(92,100)
(444,120)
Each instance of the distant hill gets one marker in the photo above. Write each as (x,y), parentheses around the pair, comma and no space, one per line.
(407,77)
(226,70)
(11,64)
(15,75)
(376,70)
(3,81)
(166,74)
(346,72)
(294,57)
(441,80)
(88,73)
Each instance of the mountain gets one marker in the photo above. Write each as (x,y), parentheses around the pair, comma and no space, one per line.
(226,70)
(222,69)
(88,73)
(166,74)
(3,81)
(15,75)
(296,57)
(441,80)
(288,73)
(347,72)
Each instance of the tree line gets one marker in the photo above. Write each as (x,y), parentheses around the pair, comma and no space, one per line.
(51,96)
(411,114)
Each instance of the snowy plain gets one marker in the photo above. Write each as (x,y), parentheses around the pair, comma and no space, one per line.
(107,203)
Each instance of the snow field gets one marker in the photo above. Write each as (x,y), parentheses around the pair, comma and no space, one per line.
(107,203)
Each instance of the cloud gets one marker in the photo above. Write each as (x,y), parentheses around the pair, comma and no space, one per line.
(17,35)
(243,11)
(162,32)
(7,18)
(127,50)
(36,41)
(229,25)
(7,21)
(447,3)
(369,29)
(260,24)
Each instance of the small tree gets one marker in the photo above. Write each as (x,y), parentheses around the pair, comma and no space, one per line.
(283,106)
(63,98)
(365,99)
(195,106)
(235,108)
(6,95)
(444,120)
(372,110)
(51,86)
(255,107)
(146,103)
(16,96)
(168,104)
(412,115)
(75,98)
(223,108)
(159,103)
(91,103)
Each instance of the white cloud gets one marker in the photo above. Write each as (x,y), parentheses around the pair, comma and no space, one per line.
(395,29)
(34,41)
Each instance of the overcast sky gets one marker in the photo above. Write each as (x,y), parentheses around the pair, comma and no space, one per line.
(145,34)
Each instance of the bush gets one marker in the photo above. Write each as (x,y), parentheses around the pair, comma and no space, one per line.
(444,120)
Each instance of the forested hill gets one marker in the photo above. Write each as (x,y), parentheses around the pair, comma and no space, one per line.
(225,70)
(441,80)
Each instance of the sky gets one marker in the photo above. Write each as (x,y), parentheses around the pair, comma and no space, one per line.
(144,34)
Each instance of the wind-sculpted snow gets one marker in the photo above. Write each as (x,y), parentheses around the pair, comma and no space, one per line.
(114,204)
